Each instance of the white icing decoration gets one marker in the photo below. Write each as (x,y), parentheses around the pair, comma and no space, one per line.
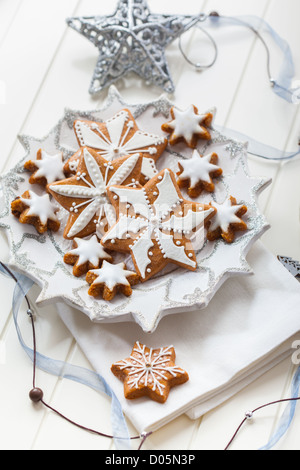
(197,169)
(150,369)
(187,123)
(96,193)
(112,275)
(150,220)
(50,167)
(40,206)
(117,144)
(89,251)
(225,216)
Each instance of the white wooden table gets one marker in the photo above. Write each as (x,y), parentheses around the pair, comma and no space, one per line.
(45,67)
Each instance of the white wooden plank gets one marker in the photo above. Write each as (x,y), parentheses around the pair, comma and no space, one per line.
(8,11)
(27,58)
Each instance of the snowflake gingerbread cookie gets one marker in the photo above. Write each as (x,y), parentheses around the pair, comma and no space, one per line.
(36,210)
(111,279)
(227,221)
(84,195)
(120,136)
(86,254)
(197,173)
(188,126)
(155,225)
(149,372)
(45,168)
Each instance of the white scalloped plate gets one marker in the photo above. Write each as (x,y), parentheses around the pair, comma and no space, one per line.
(174,290)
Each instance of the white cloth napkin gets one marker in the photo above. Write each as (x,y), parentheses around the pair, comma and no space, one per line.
(247,328)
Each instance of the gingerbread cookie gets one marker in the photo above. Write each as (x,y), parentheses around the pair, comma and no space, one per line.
(188,126)
(111,279)
(227,221)
(155,225)
(35,210)
(46,168)
(84,195)
(149,372)
(71,165)
(196,173)
(86,255)
(120,136)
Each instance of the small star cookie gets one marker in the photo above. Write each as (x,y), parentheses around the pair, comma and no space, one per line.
(46,168)
(188,126)
(86,255)
(197,172)
(111,279)
(149,372)
(35,210)
(227,221)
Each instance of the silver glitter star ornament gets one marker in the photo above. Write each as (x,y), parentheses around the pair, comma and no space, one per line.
(132,39)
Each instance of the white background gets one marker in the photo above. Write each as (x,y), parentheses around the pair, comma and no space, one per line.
(45,67)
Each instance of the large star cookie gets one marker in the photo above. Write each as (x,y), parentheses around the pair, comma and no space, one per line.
(227,221)
(188,126)
(196,173)
(149,372)
(155,225)
(120,136)
(84,195)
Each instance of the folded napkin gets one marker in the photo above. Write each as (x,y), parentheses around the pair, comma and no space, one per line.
(247,328)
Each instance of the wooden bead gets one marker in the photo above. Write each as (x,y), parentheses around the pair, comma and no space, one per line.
(36,395)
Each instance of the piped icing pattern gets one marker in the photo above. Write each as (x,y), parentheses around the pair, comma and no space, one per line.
(196,173)
(149,372)
(120,136)
(155,225)
(227,220)
(188,126)
(85,194)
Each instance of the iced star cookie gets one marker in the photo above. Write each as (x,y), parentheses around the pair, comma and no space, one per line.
(196,173)
(120,136)
(227,221)
(188,126)
(71,165)
(110,280)
(149,372)
(36,210)
(155,225)
(84,195)
(86,255)
(45,168)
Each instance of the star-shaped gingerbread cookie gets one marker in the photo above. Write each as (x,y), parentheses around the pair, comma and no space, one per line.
(36,210)
(111,279)
(84,195)
(197,173)
(149,372)
(121,136)
(188,126)
(155,225)
(45,168)
(227,221)
(85,255)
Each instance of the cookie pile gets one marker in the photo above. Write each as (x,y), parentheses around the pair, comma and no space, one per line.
(118,202)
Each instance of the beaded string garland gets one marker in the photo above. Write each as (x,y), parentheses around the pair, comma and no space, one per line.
(36,394)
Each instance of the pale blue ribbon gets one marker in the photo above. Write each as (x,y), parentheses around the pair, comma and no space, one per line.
(64,370)
(283,83)
(288,415)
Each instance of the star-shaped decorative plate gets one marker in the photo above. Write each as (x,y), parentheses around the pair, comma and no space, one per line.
(173,290)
